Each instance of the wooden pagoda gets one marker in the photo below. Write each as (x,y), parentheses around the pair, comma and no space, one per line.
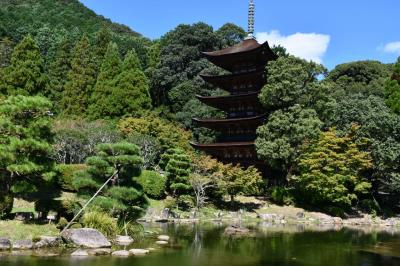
(247,64)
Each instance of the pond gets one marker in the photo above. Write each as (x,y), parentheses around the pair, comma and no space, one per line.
(206,244)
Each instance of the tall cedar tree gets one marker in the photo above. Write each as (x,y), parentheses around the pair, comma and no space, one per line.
(81,79)
(392,89)
(26,164)
(132,94)
(101,99)
(25,74)
(57,70)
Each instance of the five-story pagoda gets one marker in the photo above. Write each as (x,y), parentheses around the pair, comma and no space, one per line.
(246,62)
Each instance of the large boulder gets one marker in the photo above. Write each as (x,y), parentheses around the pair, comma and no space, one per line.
(120,253)
(85,237)
(5,244)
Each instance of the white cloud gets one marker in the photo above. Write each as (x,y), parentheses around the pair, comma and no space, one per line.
(392,47)
(309,46)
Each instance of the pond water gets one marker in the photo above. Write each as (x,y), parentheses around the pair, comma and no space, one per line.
(205,244)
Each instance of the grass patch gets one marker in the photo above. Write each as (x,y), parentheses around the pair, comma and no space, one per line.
(17,230)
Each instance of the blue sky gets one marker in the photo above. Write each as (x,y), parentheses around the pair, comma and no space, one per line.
(331,32)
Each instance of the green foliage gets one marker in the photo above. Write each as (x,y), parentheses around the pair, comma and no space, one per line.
(150,148)
(234,180)
(331,172)
(19,18)
(153,184)
(392,89)
(25,74)
(101,221)
(230,34)
(66,175)
(80,80)
(291,80)
(382,128)
(366,77)
(6,48)
(25,146)
(279,139)
(167,133)
(178,168)
(281,195)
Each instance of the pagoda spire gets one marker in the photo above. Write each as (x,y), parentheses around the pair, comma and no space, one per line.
(250,31)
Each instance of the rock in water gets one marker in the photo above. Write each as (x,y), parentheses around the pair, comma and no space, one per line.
(139,252)
(162,243)
(23,244)
(163,238)
(100,251)
(236,231)
(86,237)
(123,240)
(120,253)
(5,244)
(80,253)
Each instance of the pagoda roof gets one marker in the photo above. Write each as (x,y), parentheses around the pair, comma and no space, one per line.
(227,82)
(217,124)
(224,103)
(247,50)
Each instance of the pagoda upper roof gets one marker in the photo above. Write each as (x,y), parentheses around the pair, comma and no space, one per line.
(224,103)
(217,124)
(246,51)
(227,82)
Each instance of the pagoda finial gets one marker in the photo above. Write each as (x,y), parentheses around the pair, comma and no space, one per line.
(250,31)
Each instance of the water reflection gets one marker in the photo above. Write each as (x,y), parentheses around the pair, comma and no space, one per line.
(269,244)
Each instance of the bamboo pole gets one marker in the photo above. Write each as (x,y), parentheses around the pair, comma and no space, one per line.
(89,201)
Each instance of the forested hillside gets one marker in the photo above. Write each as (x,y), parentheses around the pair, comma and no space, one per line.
(83,98)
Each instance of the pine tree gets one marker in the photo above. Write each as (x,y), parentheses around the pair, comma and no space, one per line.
(26,164)
(392,88)
(178,168)
(102,104)
(101,42)
(57,70)
(81,79)
(25,74)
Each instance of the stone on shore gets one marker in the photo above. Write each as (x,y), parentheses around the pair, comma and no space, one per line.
(139,252)
(85,237)
(47,242)
(22,244)
(80,253)
(123,240)
(120,253)
(163,238)
(5,244)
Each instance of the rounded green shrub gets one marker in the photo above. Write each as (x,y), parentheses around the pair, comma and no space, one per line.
(66,175)
(101,221)
(153,184)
